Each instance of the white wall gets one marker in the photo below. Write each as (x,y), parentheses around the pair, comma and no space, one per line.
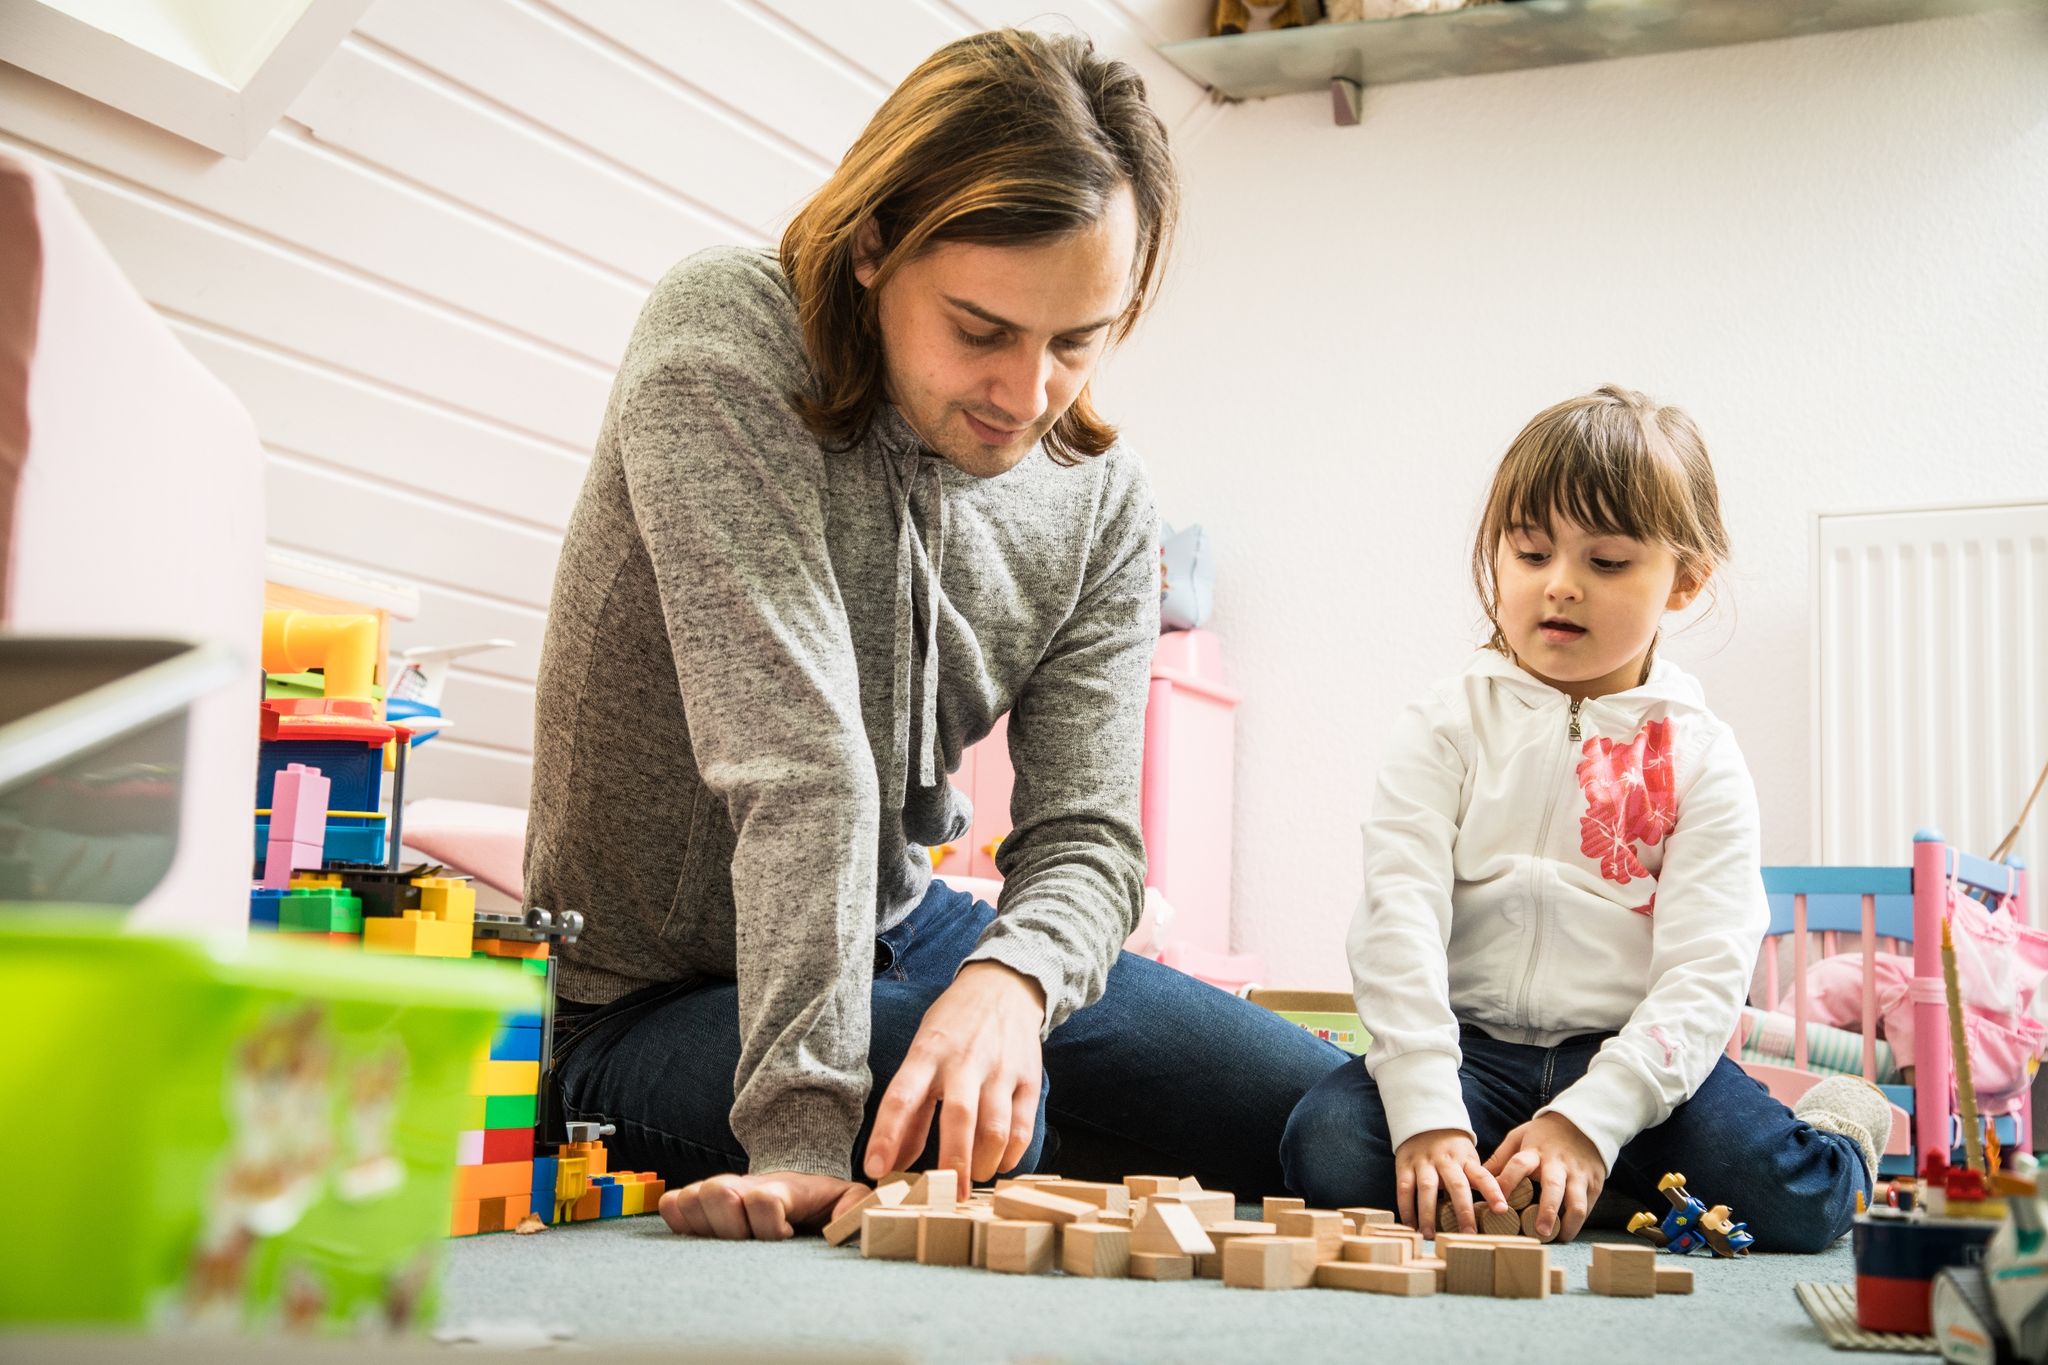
(421,280)
(1832,250)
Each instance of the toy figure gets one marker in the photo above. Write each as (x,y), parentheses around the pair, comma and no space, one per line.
(1691,1225)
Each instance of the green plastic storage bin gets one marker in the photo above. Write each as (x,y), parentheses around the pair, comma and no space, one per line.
(258,1137)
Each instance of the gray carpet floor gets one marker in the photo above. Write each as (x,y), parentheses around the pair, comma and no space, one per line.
(631,1280)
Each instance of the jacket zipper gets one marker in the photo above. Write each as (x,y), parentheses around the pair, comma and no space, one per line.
(1572,736)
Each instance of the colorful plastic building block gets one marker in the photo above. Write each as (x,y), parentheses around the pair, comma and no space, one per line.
(298,824)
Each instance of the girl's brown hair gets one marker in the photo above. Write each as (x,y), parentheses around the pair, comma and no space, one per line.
(1004,138)
(1617,463)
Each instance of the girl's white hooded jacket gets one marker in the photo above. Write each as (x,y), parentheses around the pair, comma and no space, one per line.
(1543,869)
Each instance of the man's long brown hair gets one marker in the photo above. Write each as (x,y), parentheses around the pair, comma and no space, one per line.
(1005,138)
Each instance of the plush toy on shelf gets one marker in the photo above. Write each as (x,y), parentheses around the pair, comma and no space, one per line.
(1235,16)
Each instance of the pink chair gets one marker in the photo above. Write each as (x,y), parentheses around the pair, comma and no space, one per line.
(1888,906)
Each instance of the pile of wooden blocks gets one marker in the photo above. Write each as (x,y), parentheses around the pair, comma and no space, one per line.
(1169,1228)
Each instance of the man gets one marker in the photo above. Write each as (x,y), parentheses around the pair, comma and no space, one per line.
(850,506)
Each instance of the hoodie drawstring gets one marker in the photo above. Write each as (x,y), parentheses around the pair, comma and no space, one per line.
(910,548)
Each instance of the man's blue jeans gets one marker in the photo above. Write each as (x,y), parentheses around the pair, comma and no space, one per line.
(1793,1184)
(1163,1075)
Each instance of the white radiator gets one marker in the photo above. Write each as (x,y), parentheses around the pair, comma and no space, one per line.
(1931,682)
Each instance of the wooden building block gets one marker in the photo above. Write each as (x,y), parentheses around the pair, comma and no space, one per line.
(945,1238)
(1529,1220)
(1468,1270)
(1170,1229)
(1522,1196)
(1019,1247)
(1623,1272)
(1446,1216)
(1096,1251)
(1407,1281)
(1210,1267)
(1207,1206)
(1558,1283)
(1434,1265)
(1496,1224)
(1269,1263)
(1674,1279)
(889,1234)
(1115,1220)
(937,1190)
(1521,1272)
(1276,1204)
(1154,1265)
(1246,1228)
(1375,1250)
(1108,1198)
(1362,1217)
(1324,1227)
(842,1229)
(1036,1206)
(1483,1239)
(1145,1186)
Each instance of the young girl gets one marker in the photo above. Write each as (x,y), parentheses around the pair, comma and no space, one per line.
(1563,904)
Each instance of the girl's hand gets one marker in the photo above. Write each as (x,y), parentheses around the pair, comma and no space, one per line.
(1565,1165)
(1442,1160)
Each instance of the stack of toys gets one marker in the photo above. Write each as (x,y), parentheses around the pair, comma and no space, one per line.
(328,866)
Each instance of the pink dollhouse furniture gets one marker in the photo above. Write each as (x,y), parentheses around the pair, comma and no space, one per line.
(1888,906)
(131,503)
(1190,727)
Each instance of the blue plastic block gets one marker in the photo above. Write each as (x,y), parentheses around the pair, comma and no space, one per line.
(263,907)
(544,1188)
(524,1019)
(516,1045)
(613,1202)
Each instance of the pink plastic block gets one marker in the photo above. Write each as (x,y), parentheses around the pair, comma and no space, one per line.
(298,824)
(281,859)
(298,805)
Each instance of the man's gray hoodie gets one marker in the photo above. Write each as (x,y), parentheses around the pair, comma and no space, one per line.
(762,660)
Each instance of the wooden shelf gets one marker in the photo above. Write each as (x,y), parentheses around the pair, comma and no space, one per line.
(1528,33)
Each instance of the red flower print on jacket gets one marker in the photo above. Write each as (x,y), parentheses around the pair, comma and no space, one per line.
(1631,799)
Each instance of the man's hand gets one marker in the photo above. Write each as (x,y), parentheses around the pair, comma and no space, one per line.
(1563,1162)
(771,1207)
(1442,1159)
(977,1053)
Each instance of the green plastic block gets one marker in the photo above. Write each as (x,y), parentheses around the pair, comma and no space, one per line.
(509,1111)
(327,910)
(534,966)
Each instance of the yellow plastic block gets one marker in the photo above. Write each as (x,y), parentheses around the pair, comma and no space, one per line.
(632,1198)
(451,900)
(316,881)
(487,1077)
(414,935)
